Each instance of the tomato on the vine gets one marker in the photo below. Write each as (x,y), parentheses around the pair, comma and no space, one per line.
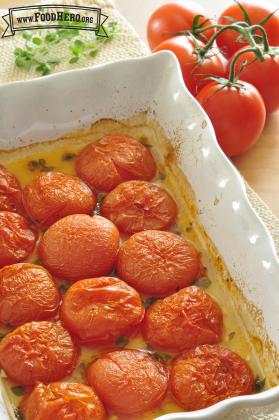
(194,68)
(264,75)
(229,41)
(175,17)
(237,113)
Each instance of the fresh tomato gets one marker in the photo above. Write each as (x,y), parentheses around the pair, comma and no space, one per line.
(229,41)
(193,70)
(264,75)
(173,17)
(237,114)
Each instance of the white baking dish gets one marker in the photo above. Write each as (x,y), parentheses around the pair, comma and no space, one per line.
(48,107)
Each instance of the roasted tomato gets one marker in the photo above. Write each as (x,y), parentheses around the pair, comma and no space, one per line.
(264,75)
(195,70)
(114,159)
(27,293)
(157,263)
(230,41)
(38,352)
(183,320)
(80,246)
(63,401)
(10,191)
(101,310)
(53,195)
(208,374)
(17,240)
(129,381)
(137,205)
(174,17)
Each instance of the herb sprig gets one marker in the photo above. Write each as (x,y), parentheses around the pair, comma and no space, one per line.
(41,49)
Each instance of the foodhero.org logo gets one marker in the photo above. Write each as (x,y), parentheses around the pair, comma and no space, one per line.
(54,16)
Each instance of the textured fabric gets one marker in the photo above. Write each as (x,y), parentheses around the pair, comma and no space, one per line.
(124,45)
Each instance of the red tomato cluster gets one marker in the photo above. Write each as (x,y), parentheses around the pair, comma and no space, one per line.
(244,64)
(98,308)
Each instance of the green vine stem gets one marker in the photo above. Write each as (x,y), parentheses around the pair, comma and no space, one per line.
(243,31)
(234,60)
(264,35)
(198,31)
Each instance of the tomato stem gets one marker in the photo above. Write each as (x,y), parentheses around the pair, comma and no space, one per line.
(198,31)
(232,76)
(236,27)
(264,35)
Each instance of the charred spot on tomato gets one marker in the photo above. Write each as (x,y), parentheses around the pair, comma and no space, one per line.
(18,390)
(68,156)
(32,165)
(231,335)
(122,342)
(64,287)
(162,357)
(18,414)
(82,366)
(38,262)
(97,210)
(39,165)
(112,273)
(149,301)
(203,282)
(144,140)
(258,385)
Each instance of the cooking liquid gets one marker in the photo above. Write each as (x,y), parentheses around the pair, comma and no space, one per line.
(58,154)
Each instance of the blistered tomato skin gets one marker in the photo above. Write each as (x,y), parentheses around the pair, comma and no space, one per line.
(129,381)
(183,320)
(63,401)
(157,263)
(53,195)
(208,374)
(101,310)
(80,246)
(10,191)
(27,293)
(138,205)
(112,160)
(17,240)
(38,352)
